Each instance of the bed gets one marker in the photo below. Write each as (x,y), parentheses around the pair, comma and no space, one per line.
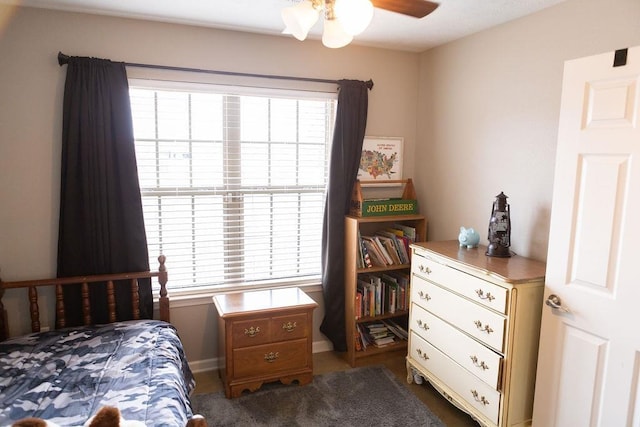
(67,375)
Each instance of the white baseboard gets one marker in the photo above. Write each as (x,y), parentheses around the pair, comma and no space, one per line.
(212,364)
(203,365)
(322,346)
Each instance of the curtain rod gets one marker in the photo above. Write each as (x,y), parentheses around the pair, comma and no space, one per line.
(64,59)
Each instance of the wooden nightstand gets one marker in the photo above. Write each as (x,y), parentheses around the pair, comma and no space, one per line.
(264,336)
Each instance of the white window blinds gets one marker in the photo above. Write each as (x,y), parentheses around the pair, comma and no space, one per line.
(233,181)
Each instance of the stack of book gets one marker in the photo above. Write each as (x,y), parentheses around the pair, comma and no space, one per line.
(386,247)
(379,334)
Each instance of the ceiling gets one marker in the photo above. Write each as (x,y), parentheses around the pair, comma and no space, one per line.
(452,20)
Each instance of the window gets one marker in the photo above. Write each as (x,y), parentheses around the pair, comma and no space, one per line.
(233,181)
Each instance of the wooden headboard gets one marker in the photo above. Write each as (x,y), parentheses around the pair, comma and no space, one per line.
(85,282)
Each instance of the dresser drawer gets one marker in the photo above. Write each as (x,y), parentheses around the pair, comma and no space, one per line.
(268,359)
(289,327)
(246,333)
(469,353)
(481,291)
(482,397)
(474,319)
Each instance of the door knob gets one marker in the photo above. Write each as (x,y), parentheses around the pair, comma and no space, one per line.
(554,302)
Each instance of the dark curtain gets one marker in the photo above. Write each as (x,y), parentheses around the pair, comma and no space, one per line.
(101,228)
(351,122)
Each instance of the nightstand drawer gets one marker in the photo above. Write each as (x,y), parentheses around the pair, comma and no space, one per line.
(246,333)
(289,327)
(469,353)
(483,398)
(478,290)
(270,358)
(474,319)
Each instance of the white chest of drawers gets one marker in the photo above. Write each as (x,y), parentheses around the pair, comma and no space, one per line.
(474,326)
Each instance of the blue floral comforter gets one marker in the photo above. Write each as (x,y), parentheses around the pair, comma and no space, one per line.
(66,376)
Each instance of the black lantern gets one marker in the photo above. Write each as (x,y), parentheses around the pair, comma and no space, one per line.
(499,228)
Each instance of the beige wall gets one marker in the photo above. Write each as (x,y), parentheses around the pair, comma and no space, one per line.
(31,86)
(488,116)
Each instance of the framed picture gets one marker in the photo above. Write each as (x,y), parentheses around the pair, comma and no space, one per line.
(381,159)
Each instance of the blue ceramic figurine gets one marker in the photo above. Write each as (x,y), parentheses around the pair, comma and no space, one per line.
(468,237)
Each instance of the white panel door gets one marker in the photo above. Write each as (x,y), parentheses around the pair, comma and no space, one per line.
(589,357)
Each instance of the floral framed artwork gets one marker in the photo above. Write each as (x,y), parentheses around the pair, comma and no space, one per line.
(381,159)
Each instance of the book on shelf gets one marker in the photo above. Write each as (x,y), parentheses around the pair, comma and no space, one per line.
(397,330)
(391,286)
(377,282)
(371,300)
(375,294)
(407,234)
(402,243)
(364,294)
(376,256)
(392,299)
(389,244)
(361,340)
(404,247)
(364,259)
(358,341)
(401,279)
(379,334)
(360,256)
(381,293)
(408,231)
(383,341)
(398,242)
(362,299)
(383,249)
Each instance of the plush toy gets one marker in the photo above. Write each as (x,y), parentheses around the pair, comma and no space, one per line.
(33,422)
(109,416)
(197,421)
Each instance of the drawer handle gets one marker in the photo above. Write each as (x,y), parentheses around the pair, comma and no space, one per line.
(289,327)
(488,296)
(423,325)
(478,398)
(422,354)
(424,295)
(485,328)
(271,356)
(480,364)
(424,269)
(252,332)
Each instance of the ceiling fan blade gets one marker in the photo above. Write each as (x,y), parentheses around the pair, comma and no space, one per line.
(417,8)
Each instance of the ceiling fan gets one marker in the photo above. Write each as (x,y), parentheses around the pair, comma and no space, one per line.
(415,8)
(344,19)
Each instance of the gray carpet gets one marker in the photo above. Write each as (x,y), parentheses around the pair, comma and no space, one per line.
(368,396)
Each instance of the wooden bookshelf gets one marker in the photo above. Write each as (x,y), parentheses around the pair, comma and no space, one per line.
(355,227)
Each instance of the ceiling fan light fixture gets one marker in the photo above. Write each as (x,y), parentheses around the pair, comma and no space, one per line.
(334,35)
(342,19)
(355,15)
(299,19)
